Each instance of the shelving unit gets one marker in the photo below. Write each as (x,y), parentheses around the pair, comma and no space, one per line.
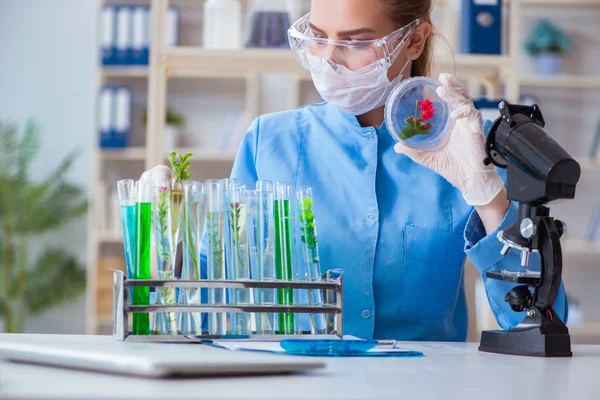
(130,153)
(561,3)
(561,82)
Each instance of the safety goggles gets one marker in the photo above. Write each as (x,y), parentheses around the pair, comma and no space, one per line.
(314,52)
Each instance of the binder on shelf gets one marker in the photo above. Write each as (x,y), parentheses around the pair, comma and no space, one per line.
(489,108)
(122,115)
(105,118)
(139,40)
(115,116)
(594,149)
(108,36)
(147,32)
(173,26)
(481,27)
(124,42)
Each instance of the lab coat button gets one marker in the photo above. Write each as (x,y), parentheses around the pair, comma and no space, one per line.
(366,314)
(371,217)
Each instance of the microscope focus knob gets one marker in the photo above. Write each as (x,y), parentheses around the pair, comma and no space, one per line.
(528,228)
(562,228)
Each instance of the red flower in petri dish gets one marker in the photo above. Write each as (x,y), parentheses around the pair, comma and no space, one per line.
(427,109)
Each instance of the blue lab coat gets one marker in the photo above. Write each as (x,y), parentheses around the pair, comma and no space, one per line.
(398,230)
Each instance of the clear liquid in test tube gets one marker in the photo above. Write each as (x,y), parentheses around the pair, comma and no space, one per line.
(215,229)
(240,262)
(308,245)
(262,253)
(193,218)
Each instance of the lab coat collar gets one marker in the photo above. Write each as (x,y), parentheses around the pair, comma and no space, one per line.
(353,120)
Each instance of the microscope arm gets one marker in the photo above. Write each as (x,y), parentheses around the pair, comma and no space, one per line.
(484,251)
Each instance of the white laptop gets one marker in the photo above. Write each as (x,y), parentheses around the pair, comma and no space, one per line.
(106,354)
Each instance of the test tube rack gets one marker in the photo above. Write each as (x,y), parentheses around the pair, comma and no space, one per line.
(122,306)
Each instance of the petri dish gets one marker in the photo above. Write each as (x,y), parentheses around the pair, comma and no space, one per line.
(416,116)
(327,347)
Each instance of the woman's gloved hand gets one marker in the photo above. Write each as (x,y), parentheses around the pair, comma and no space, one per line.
(156,173)
(460,162)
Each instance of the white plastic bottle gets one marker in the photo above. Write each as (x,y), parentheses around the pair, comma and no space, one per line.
(222,24)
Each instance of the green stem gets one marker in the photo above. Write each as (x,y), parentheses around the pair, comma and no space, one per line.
(416,110)
(20,295)
(8,265)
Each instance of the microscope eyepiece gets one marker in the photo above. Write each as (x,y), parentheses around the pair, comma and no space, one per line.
(541,169)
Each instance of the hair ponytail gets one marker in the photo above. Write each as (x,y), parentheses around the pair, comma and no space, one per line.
(403,12)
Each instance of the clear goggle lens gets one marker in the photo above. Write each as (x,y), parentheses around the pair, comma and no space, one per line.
(314,52)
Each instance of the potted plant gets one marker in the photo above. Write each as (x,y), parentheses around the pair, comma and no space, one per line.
(29,209)
(174,123)
(548,44)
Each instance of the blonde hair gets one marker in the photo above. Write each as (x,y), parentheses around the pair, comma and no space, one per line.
(403,12)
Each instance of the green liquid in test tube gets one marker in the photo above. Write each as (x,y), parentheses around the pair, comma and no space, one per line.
(284,253)
(141,295)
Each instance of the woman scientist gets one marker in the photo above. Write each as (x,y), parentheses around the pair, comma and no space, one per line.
(397,221)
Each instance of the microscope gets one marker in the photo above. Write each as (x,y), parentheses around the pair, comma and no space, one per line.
(538,172)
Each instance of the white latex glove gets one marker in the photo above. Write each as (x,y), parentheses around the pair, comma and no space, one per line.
(156,173)
(460,161)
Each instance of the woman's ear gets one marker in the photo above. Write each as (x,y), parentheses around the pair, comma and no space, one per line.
(417,41)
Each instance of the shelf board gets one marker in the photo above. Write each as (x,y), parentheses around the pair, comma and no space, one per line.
(207,155)
(110,237)
(184,61)
(589,164)
(128,153)
(133,71)
(561,3)
(561,82)
(581,247)
(587,329)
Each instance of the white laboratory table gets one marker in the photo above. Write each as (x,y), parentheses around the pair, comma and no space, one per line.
(447,371)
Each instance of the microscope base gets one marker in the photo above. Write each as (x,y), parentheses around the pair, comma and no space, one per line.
(526,342)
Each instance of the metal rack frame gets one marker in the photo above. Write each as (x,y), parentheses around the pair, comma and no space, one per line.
(122,306)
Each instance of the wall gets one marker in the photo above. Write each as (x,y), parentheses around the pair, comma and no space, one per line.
(47,61)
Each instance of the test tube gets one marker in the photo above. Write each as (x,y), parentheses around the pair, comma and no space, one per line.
(308,244)
(228,186)
(141,295)
(127,200)
(193,216)
(262,253)
(166,247)
(284,259)
(217,322)
(238,244)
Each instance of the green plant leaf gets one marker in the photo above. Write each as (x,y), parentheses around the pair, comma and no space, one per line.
(56,277)
(29,147)
(9,149)
(55,205)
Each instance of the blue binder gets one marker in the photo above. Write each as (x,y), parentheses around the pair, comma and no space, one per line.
(124,33)
(172,26)
(115,116)
(481,27)
(139,41)
(109,35)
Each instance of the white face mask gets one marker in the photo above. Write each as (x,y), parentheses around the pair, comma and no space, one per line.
(355,92)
